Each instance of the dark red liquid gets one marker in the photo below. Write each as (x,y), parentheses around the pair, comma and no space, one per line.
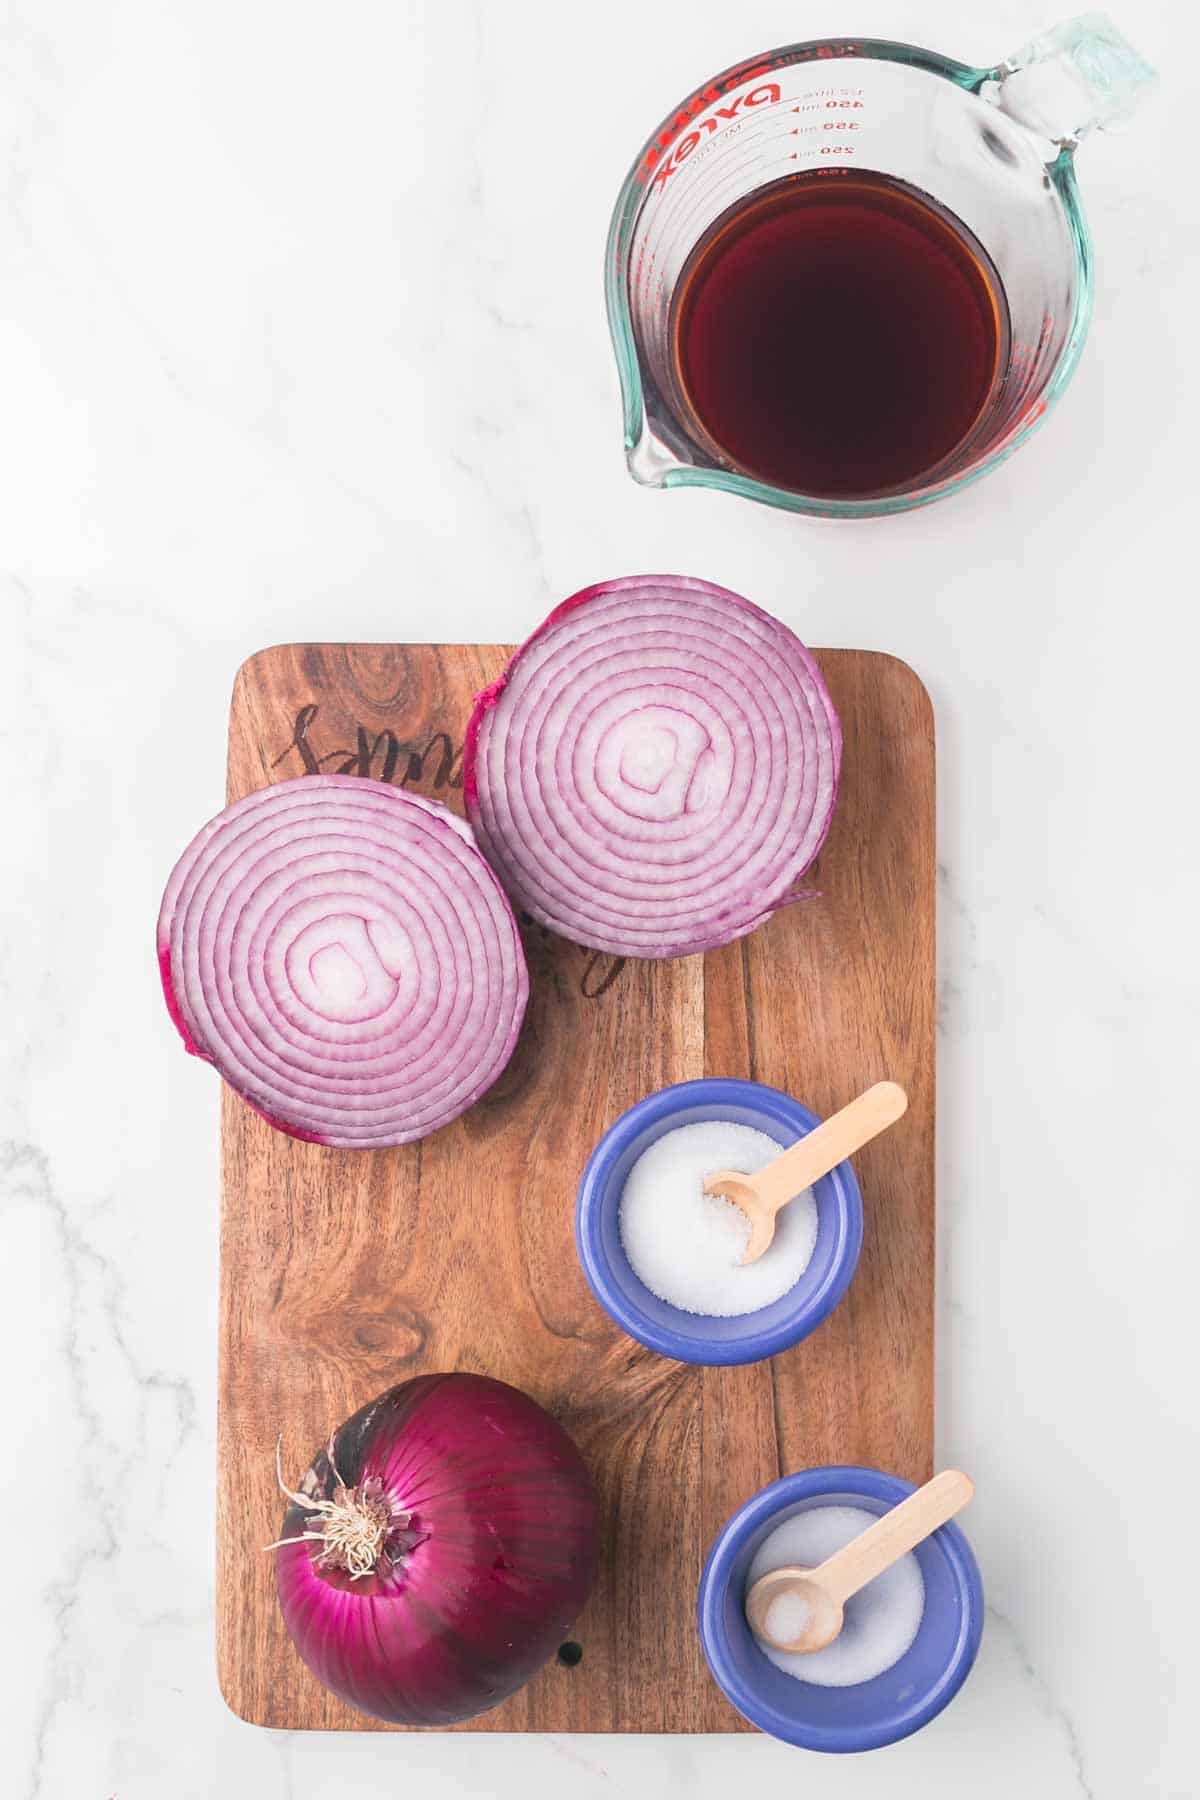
(838,334)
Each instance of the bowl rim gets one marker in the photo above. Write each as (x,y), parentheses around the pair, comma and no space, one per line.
(902,1720)
(754,1346)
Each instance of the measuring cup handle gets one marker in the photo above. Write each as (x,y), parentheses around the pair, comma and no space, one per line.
(1081,75)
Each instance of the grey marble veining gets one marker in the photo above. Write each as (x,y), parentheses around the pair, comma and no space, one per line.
(301,334)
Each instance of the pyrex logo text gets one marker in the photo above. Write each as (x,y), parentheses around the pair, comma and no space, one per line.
(766,95)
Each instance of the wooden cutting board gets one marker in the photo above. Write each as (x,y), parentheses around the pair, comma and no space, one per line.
(343,1271)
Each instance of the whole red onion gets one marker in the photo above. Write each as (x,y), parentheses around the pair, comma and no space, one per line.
(438,1550)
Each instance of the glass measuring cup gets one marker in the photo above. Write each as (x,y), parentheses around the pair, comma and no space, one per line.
(993,147)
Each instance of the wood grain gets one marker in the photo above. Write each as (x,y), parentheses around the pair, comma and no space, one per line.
(345,1271)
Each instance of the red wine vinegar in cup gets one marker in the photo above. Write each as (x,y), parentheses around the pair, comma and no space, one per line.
(840,334)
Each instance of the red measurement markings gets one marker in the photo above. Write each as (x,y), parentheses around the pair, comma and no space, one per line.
(766,94)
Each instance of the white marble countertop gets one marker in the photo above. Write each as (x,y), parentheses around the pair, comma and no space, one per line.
(301,335)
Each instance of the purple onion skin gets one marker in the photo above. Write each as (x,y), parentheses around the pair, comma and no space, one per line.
(503,1540)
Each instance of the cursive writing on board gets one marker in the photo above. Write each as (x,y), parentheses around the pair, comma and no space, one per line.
(382,756)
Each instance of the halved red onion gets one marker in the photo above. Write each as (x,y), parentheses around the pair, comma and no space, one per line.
(344,955)
(655,769)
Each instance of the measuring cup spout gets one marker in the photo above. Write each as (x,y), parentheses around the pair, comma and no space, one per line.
(649,460)
(1080,76)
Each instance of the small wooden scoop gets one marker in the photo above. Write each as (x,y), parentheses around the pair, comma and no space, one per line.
(761,1196)
(825,1589)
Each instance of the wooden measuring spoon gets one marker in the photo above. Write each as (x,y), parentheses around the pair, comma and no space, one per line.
(825,1589)
(761,1196)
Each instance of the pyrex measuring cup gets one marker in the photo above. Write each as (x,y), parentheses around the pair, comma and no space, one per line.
(995,147)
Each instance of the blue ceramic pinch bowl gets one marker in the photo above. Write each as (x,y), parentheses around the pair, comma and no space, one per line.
(696,1337)
(871,1713)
